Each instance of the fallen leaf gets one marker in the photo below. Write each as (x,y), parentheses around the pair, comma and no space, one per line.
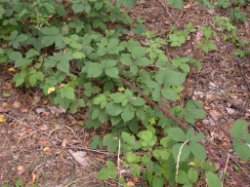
(130,184)
(33,177)
(64,143)
(51,90)
(11,70)
(16,105)
(45,149)
(40,110)
(6,94)
(20,170)
(2,119)
(80,157)
(56,110)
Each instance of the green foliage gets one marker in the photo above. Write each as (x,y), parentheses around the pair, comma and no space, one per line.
(179,37)
(178,4)
(206,44)
(187,178)
(107,172)
(78,55)
(193,148)
(223,3)
(238,15)
(19,183)
(213,180)
(241,139)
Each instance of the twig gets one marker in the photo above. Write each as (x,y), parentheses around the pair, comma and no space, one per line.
(225,168)
(118,161)
(163,4)
(164,110)
(178,159)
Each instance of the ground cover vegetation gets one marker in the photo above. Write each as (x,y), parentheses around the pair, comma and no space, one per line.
(86,54)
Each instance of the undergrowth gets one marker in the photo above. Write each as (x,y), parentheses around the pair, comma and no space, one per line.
(80,54)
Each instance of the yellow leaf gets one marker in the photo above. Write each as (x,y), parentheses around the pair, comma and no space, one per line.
(51,89)
(12,70)
(61,85)
(121,89)
(46,149)
(2,119)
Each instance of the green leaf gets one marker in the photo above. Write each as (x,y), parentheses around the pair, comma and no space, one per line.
(185,152)
(127,4)
(63,66)
(192,175)
(2,11)
(198,151)
(112,72)
(96,142)
(48,41)
(158,181)
(127,114)
(126,59)
(67,92)
(193,111)
(31,53)
(19,183)
(161,154)
(237,14)
(15,55)
(138,101)
(147,138)
(128,138)
(78,55)
(242,149)
(113,109)
(111,143)
(132,158)
(108,172)
(174,78)
(138,52)
(176,134)
(134,69)
(239,129)
(170,94)
(182,177)
(164,141)
(177,38)
(223,3)
(213,180)
(100,100)
(176,3)
(208,46)
(198,137)
(94,70)
(50,31)
(135,170)
(22,62)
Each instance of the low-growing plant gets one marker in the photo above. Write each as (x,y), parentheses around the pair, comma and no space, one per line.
(79,54)
(179,37)
(241,139)
(206,43)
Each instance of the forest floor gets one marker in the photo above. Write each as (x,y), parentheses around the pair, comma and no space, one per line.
(45,145)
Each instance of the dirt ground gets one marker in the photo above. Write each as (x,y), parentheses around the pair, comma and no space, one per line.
(42,144)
